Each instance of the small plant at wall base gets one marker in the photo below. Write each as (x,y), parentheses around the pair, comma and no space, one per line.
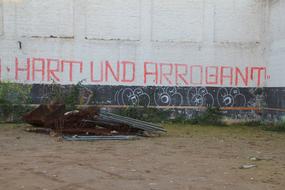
(13,100)
(54,93)
(146,114)
(68,95)
(278,126)
(212,116)
(72,98)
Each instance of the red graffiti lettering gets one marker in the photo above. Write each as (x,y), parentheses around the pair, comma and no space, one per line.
(71,64)
(26,69)
(181,75)
(132,70)
(244,77)
(226,76)
(109,69)
(51,72)
(165,74)
(258,70)
(199,70)
(153,72)
(35,62)
(93,75)
(212,74)
(106,72)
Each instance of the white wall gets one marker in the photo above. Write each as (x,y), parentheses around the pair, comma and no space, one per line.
(276,60)
(1,17)
(178,37)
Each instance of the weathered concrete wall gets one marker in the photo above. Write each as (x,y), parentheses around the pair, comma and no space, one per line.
(217,48)
(276,43)
(276,54)
(157,42)
(1,18)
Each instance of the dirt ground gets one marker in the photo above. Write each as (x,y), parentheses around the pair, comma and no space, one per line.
(187,158)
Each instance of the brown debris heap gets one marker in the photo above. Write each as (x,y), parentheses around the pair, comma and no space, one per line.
(79,122)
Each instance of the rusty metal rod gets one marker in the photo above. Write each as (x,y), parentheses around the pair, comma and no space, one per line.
(134,123)
(97,138)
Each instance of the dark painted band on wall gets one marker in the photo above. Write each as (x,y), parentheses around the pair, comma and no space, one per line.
(238,103)
(159,96)
(275,97)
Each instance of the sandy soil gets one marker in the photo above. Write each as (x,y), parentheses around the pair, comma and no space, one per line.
(192,158)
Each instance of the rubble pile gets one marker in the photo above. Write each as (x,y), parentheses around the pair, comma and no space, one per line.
(87,124)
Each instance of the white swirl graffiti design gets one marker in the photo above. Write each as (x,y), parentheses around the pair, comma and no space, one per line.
(168,96)
(130,96)
(230,98)
(200,97)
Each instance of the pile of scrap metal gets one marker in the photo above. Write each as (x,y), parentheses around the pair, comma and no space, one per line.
(88,124)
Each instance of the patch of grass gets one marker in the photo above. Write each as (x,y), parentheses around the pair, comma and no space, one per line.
(212,116)
(59,94)
(13,98)
(145,114)
(277,126)
(255,123)
(266,125)
(231,131)
(12,125)
(185,130)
